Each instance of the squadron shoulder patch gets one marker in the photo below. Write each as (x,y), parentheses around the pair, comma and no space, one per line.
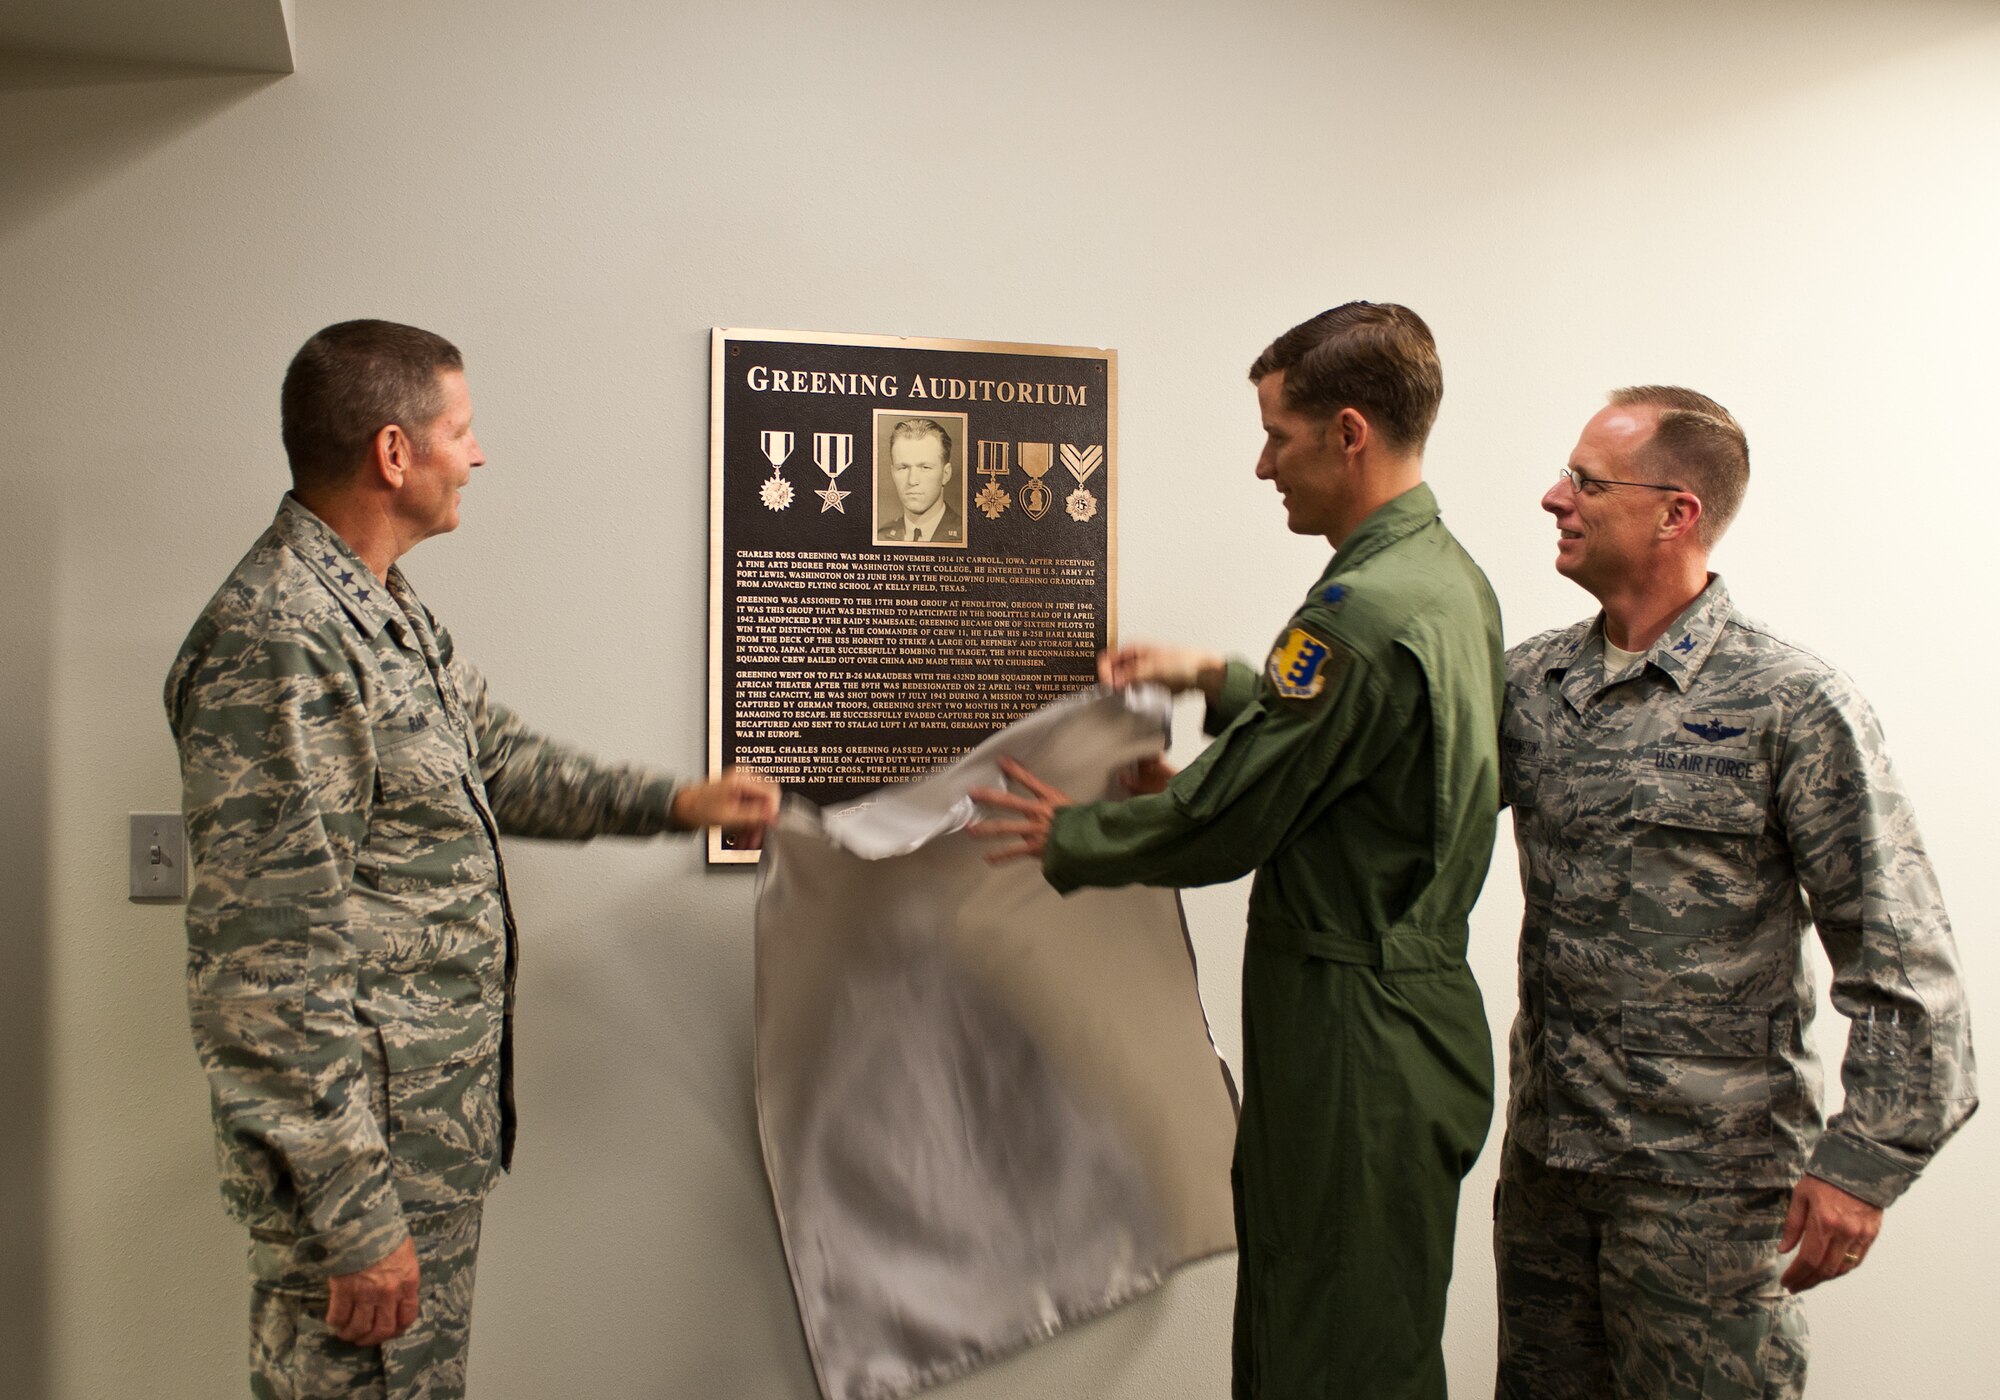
(1302,665)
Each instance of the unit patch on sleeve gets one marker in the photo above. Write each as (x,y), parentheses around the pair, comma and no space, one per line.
(1303,666)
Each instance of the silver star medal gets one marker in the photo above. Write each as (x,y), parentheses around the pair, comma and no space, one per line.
(834,453)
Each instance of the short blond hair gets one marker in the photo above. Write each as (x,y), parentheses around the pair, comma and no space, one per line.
(1700,442)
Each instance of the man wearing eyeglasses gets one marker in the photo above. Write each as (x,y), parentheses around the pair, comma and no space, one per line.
(1685,787)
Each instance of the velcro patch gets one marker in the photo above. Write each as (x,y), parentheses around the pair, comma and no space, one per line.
(1302,665)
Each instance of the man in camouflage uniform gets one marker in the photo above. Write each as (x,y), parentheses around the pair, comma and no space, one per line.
(1679,776)
(351,951)
(1356,773)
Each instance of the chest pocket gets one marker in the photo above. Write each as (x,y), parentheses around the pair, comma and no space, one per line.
(1695,842)
(1523,742)
(1520,769)
(408,763)
(424,835)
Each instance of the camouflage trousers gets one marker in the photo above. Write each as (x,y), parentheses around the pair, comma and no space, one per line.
(1616,1289)
(294,1356)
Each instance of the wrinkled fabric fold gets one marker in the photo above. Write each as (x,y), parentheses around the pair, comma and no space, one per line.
(989,1112)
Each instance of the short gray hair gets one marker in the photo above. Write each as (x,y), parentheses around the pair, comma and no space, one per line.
(349,382)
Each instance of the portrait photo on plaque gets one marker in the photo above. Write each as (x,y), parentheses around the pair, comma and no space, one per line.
(919,478)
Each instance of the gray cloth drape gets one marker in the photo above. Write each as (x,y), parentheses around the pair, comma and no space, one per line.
(988,1112)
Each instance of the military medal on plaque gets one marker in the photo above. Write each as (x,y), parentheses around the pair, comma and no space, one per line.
(833,453)
(777,492)
(1080,462)
(992,498)
(1036,498)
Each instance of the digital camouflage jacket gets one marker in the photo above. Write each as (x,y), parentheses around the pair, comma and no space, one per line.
(1674,827)
(351,951)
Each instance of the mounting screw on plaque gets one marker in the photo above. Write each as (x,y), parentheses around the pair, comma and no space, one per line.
(158,856)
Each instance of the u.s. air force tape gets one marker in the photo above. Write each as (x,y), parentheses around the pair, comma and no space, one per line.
(1304,667)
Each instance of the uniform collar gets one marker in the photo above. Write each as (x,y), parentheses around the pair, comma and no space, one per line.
(927,522)
(1679,652)
(1392,521)
(1683,648)
(365,597)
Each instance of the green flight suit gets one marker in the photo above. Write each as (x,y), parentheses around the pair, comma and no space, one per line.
(1358,776)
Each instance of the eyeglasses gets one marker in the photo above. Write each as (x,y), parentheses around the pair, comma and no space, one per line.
(1582,484)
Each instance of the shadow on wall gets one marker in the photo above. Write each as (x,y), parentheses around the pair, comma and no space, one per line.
(639,1147)
(25,640)
(68,123)
(65,125)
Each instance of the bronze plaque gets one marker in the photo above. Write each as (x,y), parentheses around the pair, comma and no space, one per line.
(911,545)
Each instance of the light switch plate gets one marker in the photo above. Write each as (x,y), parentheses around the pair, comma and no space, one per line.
(159,856)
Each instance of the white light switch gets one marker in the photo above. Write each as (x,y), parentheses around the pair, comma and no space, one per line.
(159,856)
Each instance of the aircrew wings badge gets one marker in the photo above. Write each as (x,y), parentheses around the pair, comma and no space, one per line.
(1299,665)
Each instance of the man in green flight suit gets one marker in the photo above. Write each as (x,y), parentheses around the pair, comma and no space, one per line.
(1357,774)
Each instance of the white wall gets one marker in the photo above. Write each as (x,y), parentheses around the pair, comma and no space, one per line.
(1792,206)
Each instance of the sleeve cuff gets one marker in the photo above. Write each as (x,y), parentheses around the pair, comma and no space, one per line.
(1239,688)
(353,1245)
(658,796)
(1058,867)
(1860,1169)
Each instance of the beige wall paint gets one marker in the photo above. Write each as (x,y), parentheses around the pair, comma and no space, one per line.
(1791,206)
